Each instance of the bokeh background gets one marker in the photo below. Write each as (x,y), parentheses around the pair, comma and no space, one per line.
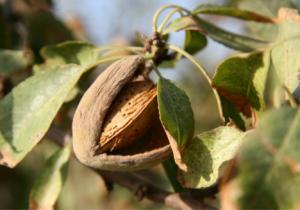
(35,23)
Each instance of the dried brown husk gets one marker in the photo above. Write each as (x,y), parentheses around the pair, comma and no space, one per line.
(116,125)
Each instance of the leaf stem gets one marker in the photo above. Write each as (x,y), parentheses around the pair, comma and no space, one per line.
(157,71)
(204,73)
(105,60)
(167,18)
(290,96)
(134,49)
(163,8)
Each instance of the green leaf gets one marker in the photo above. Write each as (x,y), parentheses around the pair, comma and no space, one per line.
(238,80)
(231,113)
(285,54)
(176,115)
(243,79)
(27,112)
(205,154)
(194,42)
(267,8)
(49,183)
(229,39)
(231,12)
(13,60)
(268,162)
(175,111)
(77,52)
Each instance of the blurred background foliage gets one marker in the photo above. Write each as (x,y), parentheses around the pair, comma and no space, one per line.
(32,24)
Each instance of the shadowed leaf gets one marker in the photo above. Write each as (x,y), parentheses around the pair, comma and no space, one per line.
(194,42)
(230,112)
(236,80)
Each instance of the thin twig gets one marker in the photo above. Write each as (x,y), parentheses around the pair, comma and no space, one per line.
(143,189)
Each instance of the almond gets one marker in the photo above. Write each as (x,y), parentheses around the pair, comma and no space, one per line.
(116,125)
(130,115)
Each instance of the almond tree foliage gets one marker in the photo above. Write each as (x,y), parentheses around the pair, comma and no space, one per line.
(251,160)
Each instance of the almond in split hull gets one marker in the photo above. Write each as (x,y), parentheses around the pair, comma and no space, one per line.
(130,116)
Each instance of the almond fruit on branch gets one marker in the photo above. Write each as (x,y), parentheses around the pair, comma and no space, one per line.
(116,125)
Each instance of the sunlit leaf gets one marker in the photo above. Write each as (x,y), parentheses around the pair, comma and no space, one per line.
(13,60)
(206,153)
(285,54)
(49,183)
(242,79)
(77,52)
(267,8)
(236,80)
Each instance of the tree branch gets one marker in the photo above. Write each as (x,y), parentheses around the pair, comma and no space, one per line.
(142,188)
(141,183)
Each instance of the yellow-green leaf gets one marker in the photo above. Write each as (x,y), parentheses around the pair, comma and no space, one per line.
(13,60)
(49,183)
